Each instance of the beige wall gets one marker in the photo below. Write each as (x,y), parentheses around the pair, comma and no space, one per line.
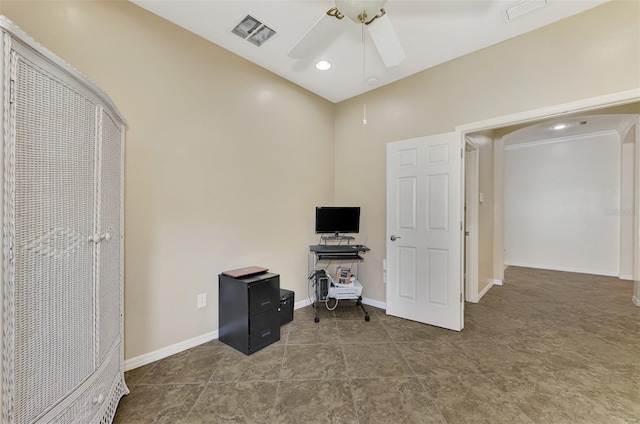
(225,161)
(485,215)
(588,55)
(206,133)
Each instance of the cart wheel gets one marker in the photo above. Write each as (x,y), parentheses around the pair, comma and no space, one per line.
(366,318)
(316,319)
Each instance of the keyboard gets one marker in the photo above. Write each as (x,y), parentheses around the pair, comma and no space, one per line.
(352,249)
(339,257)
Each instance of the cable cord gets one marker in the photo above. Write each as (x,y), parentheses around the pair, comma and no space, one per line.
(334,306)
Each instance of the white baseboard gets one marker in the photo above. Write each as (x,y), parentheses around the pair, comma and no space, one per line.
(636,301)
(302,303)
(374,303)
(497,282)
(147,358)
(565,269)
(156,355)
(490,283)
(626,277)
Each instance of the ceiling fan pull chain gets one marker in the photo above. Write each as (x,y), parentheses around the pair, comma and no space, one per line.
(364,75)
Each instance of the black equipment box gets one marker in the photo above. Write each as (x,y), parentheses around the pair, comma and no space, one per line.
(287,299)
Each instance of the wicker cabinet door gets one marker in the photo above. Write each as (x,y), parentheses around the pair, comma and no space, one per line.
(109,226)
(52,206)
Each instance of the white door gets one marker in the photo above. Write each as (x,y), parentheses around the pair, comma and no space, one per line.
(424,230)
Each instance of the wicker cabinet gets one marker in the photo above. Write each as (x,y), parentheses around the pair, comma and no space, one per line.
(62,240)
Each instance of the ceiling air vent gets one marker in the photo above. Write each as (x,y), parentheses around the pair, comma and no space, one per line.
(523,7)
(253,31)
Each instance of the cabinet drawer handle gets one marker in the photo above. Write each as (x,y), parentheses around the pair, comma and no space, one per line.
(266,302)
(266,333)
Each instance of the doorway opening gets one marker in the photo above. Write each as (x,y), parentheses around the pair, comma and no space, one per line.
(620,103)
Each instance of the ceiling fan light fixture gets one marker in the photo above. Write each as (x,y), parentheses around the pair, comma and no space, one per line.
(360,11)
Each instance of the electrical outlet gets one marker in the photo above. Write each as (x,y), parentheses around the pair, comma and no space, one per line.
(202,300)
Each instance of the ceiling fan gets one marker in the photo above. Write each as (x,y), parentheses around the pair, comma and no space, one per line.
(369,13)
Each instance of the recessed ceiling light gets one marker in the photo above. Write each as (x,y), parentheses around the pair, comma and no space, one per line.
(559,127)
(323,65)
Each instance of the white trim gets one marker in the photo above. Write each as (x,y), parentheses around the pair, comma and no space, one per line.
(484,291)
(497,282)
(302,303)
(156,355)
(626,277)
(564,269)
(164,352)
(585,105)
(558,139)
(471,187)
(374,303)
(636,231)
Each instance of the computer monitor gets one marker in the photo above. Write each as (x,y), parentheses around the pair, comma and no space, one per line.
(337,219)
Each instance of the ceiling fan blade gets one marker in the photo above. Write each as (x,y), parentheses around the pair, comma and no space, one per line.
(320,32)
(386,41)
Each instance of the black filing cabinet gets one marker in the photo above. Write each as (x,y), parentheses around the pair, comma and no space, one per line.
(249,313)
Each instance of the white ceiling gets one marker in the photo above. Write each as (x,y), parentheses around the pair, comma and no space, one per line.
(430,31)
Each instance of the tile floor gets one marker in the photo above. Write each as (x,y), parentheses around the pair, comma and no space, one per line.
(547,347)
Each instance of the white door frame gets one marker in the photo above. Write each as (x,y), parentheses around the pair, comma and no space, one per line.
(471,187)
(636,233)
(581,106)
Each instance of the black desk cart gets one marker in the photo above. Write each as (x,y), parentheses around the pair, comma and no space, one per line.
(249,316)
(334,253)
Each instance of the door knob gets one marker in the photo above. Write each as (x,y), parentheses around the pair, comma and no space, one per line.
(394,238)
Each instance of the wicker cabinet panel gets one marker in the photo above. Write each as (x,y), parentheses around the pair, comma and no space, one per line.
(109,312)
(53,267)
(93,399)
(61,256)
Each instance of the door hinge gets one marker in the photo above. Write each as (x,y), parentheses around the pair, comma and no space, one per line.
(460,225)
(461,154)
(12,91)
